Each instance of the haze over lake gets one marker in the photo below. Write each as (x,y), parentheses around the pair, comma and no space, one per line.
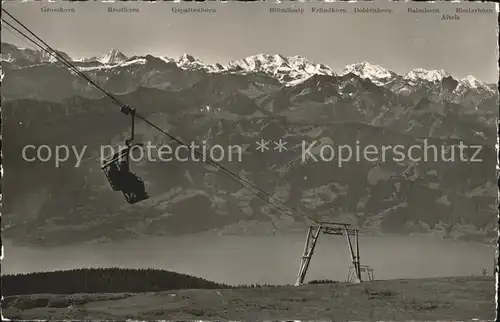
(274,259)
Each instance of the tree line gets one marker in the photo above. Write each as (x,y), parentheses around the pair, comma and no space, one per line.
(112,280)
(102,280)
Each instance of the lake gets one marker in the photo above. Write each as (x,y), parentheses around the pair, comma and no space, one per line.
(273,260)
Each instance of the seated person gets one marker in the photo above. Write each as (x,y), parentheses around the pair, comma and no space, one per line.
(134,187)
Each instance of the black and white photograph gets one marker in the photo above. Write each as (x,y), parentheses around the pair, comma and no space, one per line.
(249,161)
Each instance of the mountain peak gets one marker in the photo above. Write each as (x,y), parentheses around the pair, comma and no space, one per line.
(190,62)
(187,58)
(256,62)
(26,56)
(434,75)
(112,57)
(366,70)
(271,57)
(299,61)
(288,70)
(472,82)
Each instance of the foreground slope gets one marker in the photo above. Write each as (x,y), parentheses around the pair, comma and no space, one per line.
(460,298)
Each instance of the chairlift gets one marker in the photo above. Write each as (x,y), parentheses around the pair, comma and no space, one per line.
(117,170)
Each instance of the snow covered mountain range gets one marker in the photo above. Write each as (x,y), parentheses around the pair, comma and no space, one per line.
(289,71)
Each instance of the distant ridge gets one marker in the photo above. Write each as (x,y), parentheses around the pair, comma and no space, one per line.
(289,70)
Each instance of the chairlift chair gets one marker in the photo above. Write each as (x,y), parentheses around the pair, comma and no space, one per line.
(117,170)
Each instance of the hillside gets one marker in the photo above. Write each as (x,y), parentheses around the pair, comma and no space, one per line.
(49,205)
(267,97)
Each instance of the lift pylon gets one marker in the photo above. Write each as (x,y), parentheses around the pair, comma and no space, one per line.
(330,228)
(364,269)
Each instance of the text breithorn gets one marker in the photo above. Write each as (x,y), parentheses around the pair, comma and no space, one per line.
(123,10)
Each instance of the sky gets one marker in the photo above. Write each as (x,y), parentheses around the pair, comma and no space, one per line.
(399,41)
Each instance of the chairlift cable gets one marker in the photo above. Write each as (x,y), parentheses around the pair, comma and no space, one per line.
(59,56)
(116,101)
(14,28)
(243,182)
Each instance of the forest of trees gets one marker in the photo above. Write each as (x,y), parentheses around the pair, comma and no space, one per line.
(102,280)
(112,280)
